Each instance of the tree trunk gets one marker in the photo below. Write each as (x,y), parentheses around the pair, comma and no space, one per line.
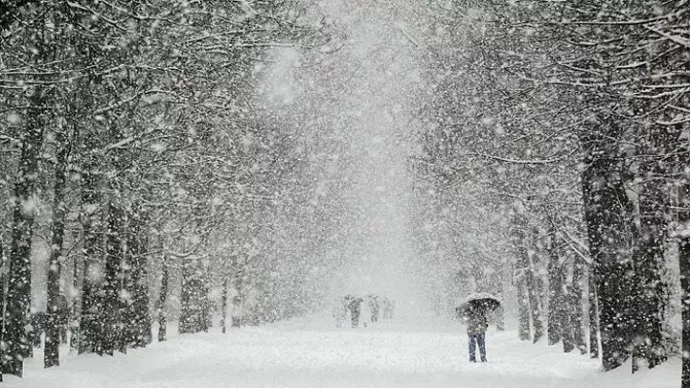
(112,305)
(556,299)
(141,317)
(521,278)
(19,283)
(129,326)
(74,317)
(193,298)
(567,326)
(649,257)
(186,323)
(534,290)
(55,311)
(607,215)
(3,268)
(523,311)
(89,328)
(575,302)
(593,317)
(684,262)
(205,320)
(224,304)
(566,314)
(162,319)
(127,317)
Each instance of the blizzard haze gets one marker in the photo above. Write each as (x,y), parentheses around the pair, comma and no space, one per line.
(363,96)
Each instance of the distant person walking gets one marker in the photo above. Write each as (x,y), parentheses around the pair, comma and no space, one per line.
(374,307)
(355,307)
(476,332)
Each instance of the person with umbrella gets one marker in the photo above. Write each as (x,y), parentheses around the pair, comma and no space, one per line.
(474,311)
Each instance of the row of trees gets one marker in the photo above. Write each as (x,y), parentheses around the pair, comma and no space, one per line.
(134,148)
(573,116)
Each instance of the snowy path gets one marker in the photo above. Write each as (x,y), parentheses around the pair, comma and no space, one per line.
(302,354)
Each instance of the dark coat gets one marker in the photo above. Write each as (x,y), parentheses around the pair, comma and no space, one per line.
(476,322)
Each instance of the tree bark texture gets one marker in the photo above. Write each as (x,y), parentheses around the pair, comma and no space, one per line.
(74,303)
(607,215)
(18,298)
(520,279)
(224,305)
(575,302)
(684,262)
(556,299)
(55,311)
(3,268)
(593,317)
(652,296)
(138,282)
(89,328)
(194,298)
(162,297)
(112,283)
(520,242)
(534,289)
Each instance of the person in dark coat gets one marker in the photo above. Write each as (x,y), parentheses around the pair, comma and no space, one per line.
(355,309)
(476,332)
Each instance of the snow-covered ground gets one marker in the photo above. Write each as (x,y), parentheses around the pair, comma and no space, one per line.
(312,353)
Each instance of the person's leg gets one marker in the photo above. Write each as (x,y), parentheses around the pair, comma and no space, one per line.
(481,342)
(473,357)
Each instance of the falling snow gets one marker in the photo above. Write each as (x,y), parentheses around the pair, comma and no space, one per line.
(344,193)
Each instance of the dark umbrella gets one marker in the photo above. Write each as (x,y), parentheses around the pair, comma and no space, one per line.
(478,301)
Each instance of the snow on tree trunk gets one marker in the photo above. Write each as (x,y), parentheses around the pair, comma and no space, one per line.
(224,305)
(520,243)
(55,311)
(567,324)
(3,269)
(593,317)
(74,307)
(160,304)
(652,297)
(534,306)
(111,318)
(684,263)
(18,298)
(194,314)
(534,289)
(576,303)
(140,318)
(607,215)
(523,309)
(567,311)
(555,296)
(89,328)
